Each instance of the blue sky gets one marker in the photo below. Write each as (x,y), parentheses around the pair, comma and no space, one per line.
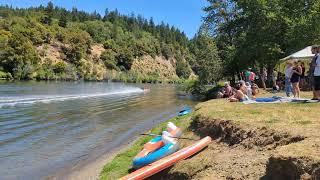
(183,14)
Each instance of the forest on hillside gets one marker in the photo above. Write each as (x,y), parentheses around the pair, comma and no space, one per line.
(29,39)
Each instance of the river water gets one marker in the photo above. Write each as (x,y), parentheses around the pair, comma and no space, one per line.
(46,126)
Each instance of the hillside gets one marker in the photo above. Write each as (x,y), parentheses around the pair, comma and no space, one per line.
(52,43)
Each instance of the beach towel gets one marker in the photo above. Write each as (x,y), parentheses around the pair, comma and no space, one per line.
(277,99)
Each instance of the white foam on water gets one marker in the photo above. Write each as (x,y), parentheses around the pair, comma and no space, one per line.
(13,101)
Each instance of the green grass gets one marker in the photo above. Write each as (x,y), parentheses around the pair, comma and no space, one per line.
(294,118)
(121,164)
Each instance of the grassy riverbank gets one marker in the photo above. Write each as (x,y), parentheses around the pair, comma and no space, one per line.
(121,164)
(270,141)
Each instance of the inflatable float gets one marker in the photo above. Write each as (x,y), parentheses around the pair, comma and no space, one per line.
(158,147)
(168,161)
(185,111)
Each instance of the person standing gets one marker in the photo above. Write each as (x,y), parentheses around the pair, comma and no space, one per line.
(295,79)
(288,74)
(247,75)
(274,78)
(316,77)
(264,76)
(315,51)
(252,77)
(302,77)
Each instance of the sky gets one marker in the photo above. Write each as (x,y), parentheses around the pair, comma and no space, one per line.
(183,14)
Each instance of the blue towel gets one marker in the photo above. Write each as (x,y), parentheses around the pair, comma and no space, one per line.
(267,99)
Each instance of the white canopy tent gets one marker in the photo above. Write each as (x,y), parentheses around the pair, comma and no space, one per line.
(302,54)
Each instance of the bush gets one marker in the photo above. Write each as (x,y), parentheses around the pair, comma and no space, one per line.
(183,70)
(59,67)
(109,59)
(194,87)
(5,75)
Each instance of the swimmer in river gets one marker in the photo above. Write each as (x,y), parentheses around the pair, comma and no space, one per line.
(146,89)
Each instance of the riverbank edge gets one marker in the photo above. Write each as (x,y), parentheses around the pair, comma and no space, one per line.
(120,164)
(92,169)
(180,81)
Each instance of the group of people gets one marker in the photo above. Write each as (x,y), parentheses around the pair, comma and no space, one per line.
(248,75)
(295,75)
(243,91)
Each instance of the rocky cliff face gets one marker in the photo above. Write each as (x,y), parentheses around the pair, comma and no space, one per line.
(158,67)
(93,68)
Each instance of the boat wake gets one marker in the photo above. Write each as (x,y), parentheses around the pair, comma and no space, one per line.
(24,100)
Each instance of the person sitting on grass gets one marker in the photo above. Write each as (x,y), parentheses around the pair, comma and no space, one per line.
(241,93)
(227,90)
(255,89)
(249,89)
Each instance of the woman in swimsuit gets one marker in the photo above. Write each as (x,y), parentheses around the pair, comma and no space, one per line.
(295,79)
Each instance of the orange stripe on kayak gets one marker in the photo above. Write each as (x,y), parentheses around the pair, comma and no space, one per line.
(168,161)
(150,147)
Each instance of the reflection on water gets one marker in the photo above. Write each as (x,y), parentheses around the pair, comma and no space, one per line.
(47,126)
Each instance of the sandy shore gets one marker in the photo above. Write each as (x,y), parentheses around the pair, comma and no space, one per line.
(88,169)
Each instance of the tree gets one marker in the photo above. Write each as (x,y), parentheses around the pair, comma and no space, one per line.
(47,19)
(106,13)
(183,70)
(125,39)
(63,19)
(79,45)
(257,33)
(209,63)
(19,57)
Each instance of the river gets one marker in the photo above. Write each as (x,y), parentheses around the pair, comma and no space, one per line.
(47,126)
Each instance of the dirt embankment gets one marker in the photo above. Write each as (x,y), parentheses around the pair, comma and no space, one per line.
(158,67)
(245,152)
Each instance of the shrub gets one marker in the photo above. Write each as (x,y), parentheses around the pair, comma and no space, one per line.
(59,67)
(5,75)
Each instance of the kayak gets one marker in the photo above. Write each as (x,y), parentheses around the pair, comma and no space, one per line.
(156,155)
(150,146)
(168,161)
(158,147)
(184,112)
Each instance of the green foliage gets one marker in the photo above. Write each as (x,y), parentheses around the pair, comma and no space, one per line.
(257,33)
(63,20)
(19,57)
(109,59)
(72,33)
(78,45)
(98,30)
(46,72)
(194,87)
(208,64)
(59,67)
(183,69)
(5,75)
